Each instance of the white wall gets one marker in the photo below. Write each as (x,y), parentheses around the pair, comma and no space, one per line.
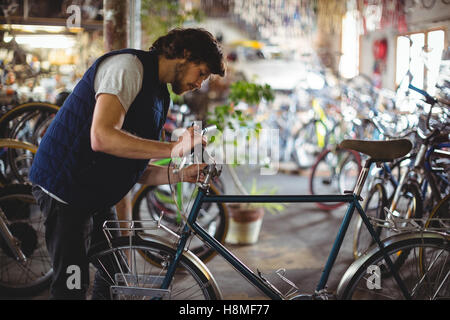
(418,19)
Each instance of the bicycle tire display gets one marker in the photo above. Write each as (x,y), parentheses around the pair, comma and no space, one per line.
(424,272)
(26,223)
(150,201)
(10,118)
(334,172)
(26,122)
(124,260)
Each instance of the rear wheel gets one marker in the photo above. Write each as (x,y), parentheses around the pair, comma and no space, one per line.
(425,273)
(373,206)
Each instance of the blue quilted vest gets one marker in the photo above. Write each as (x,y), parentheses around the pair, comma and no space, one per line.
(65,163)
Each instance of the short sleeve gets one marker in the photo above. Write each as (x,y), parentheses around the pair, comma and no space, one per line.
(120,75)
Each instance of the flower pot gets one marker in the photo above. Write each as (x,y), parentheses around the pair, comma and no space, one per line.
(244,225)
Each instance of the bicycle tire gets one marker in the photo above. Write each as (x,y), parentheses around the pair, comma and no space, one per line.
(428,4)
(192,273)
(23,109)
(306,144)
(411,192)
(218,230)
(26,219)
(440,211)
(357,280)
(324,175)
(373,206)
(14,119)
(19,161)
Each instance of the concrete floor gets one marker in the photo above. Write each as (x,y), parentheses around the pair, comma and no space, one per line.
(298,239)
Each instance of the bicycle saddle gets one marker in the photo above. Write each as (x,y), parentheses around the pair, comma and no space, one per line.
(379,151)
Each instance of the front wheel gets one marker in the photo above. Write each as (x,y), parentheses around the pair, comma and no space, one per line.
(425,273)
(124,274)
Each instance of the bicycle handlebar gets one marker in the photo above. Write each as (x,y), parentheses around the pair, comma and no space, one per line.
(428,99)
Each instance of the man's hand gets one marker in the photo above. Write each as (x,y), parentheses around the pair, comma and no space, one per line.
(190,138)
(192,173)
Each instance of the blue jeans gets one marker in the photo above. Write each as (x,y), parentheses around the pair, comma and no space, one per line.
(69,233)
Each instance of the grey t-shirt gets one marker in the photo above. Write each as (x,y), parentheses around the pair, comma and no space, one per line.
(121,75)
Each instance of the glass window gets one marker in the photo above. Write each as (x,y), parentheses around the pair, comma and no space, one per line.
(418,59)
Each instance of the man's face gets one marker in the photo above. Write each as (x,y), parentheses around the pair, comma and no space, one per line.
(189,76)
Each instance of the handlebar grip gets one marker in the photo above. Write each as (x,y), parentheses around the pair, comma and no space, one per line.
(428,99)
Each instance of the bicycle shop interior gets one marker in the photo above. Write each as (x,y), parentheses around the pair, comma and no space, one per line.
(301,76)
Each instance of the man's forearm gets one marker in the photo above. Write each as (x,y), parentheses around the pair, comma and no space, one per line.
(156,175)
(125,145)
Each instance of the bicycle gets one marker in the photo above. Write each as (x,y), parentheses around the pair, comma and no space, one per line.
(25,267)
(420,182)
(149,202)
(181,275)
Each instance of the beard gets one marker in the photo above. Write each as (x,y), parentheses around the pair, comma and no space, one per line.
(177,84)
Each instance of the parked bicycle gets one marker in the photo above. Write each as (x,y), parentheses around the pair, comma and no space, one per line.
(181,275)
(421,183)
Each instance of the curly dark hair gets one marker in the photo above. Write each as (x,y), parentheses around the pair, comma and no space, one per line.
(195,44)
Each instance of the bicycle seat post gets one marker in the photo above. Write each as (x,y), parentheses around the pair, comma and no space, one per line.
(362,177)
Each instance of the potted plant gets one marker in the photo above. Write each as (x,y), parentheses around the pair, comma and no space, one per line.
(245,218)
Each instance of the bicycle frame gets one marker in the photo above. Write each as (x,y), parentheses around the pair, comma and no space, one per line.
(353,203)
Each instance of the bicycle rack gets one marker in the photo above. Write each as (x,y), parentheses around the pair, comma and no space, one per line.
(131,228)
(128,282)
(394,222)
(127,286)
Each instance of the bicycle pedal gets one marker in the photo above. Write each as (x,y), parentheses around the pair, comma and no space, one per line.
(291,290)
(268,283)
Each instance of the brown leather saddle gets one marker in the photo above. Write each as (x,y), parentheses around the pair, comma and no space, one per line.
(379,151)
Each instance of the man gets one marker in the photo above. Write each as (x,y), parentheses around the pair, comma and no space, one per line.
(100,143)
